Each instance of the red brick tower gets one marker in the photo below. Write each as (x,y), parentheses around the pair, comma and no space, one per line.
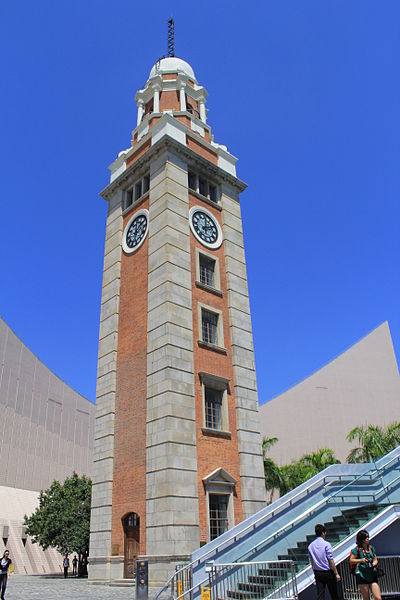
(177,443)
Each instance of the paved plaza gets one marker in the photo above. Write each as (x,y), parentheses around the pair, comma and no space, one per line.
(23,587)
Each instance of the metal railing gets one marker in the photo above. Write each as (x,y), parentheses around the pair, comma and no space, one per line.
(372,496)
(256,580)
(178,582)
(171,582)
(389,583)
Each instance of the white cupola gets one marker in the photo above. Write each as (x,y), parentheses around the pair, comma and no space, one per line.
(171,88)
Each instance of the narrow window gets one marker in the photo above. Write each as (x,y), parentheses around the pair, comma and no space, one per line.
(192,181)
(218,506)
(207,270)
(202,187)
(138,190)
(213,192)
(129,198)
(213,408)
(209,324)
(146,183)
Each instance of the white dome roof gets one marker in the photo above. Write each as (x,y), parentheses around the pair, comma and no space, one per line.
(174,65)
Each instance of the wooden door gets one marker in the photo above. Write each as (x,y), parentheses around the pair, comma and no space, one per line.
(131,554)
(131,544)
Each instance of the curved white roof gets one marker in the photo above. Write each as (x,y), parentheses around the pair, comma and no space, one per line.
(172,64)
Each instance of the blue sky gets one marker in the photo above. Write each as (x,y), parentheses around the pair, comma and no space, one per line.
(305,93)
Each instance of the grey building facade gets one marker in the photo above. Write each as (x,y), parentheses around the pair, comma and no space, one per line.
(359,387)
(46,433)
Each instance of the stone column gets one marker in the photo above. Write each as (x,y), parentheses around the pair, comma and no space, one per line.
(140,112)
(244,374)
(156,99)
(103,450)
(182,97)
(203,116)
(172,518)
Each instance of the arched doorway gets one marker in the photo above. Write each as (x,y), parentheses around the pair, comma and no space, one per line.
(131,524)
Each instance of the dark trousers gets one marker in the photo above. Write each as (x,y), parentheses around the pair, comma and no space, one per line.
(65,572)
(325,579)
(3,584)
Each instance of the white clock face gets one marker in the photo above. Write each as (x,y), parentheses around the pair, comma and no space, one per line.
(135,231)
(205,227)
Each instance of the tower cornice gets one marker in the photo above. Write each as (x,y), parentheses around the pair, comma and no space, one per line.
(169,143)
(172,133)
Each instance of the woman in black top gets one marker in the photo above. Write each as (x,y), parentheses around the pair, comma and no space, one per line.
(5,563)
(364,560)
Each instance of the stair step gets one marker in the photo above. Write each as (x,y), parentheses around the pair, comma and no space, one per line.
(270,572)
(255,587)
(262,579)
(122,583)
(239,595)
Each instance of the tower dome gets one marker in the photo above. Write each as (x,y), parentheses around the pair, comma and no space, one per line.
(172,64)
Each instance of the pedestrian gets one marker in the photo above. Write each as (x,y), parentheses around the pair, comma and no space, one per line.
(323,565)
(5,563)
(74,565)
(363,558)
(66,566)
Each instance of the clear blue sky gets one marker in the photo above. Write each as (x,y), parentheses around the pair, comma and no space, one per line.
(305,93)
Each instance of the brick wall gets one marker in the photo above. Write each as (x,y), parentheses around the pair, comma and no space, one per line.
(129,493)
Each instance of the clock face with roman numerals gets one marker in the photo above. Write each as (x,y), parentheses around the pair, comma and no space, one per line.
(135,231)
(205,227)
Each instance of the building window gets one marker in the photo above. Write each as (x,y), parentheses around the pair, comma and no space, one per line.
(202,187)
(207,270)
(220,490)
(192,109)
(192,181)
(218,514)
(138,189)
(213,408)
(212,190)
(215,404)
(209,327)
(129,198)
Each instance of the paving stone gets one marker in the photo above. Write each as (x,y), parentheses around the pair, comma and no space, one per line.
(21,587)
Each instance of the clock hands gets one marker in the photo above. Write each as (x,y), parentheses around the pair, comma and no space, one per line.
(136,231)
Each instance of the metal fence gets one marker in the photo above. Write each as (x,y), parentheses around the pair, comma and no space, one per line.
(389,583)
(253,580)
(181,584)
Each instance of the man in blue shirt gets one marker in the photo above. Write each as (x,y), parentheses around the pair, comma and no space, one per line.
(323,565)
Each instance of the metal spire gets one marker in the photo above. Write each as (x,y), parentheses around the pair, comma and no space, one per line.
(171,37)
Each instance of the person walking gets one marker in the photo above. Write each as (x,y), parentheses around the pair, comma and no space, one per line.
(74,565)
(323,565)
(5,563)
(66,566)
(363,558)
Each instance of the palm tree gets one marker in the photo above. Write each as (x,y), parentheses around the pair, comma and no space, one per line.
(374,441)
(271,469)
(307,466)
(319,460)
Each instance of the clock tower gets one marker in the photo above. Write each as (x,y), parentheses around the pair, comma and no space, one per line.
(177,451)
